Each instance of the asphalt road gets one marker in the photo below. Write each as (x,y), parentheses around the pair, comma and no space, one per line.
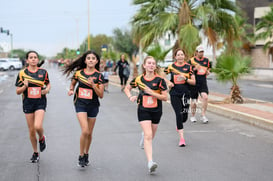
(261,90)
(222,150)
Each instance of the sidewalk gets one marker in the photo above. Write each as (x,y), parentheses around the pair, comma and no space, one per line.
(255,112)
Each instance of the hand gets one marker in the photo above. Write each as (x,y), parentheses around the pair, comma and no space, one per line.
(25,83)
(133,98)
(91,82)
(70,92)
(170,85)
(45,91)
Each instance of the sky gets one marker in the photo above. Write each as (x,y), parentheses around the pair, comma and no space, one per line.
(47,26)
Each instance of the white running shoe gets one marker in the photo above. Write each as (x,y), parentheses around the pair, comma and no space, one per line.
(141,143)
(193,119)
(152,166)
(204,119)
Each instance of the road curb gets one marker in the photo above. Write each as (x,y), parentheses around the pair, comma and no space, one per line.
(240,116)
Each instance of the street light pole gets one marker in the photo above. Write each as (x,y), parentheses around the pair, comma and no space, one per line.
(11,44)
(88,36)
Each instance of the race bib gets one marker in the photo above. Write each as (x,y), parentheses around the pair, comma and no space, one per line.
(202,70)
(149,102)
(178,79)
(85,93)
(34,92)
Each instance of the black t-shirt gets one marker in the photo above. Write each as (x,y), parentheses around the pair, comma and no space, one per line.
(85,94)
(181,87)
(121,65)
(37,81)
(201,72)
(146,101)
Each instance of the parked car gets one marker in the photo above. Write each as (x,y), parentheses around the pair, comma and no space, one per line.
(10,64)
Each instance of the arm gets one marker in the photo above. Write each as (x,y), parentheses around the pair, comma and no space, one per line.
(98,88)
(20,90)
(161,96)
(46,90)
(127,91)
(72,87)
(191,81)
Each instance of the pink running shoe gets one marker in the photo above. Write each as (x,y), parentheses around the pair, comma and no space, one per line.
(182,142)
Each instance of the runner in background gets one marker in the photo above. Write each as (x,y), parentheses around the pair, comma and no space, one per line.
(202,67)
(181,77)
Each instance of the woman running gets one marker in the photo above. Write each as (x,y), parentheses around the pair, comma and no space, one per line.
(181,77)
(33,83)
(121,65)
(86,97)
(152,91)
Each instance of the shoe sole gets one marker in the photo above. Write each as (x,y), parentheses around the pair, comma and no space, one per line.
(153,168)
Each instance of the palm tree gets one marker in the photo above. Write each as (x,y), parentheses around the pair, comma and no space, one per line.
(157,52)
(230,68)
(218,23)
(265,29)
(183,19)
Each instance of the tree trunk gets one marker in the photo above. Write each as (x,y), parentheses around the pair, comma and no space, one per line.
(236,97)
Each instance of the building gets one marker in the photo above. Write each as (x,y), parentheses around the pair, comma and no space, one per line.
(255,9)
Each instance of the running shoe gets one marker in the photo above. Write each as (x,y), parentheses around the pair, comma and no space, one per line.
(204,119)
(182,142)
(86,159)
(35,157)
(193,119)
(42,144)
(152,166)
(141,143)
(81,161)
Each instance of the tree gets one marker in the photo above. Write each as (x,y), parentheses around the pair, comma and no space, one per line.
(264,29)
(95,43)
(183,18)
(123,42)
(230,68)
(157,52)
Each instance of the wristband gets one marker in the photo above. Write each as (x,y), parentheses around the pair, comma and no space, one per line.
(186,79)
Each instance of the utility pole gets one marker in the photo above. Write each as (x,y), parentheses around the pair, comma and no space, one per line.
(88,36)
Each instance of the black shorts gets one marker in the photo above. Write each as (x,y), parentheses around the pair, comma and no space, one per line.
(148,115)
(91,111)
(201,86)
(106,80)
(193,92)
(32,105)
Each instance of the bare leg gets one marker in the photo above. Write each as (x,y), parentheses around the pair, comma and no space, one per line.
(32,132)
(38,123)
(82,117)
(149,130)
(91,124)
